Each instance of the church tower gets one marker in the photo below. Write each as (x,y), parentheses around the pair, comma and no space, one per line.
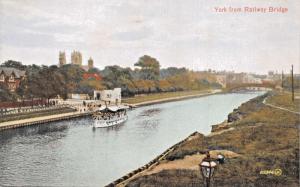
(62,58)
(90,63)
(76,58)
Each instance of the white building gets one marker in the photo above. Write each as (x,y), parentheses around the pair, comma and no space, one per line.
(78,96)
(221,79)
(111,96)
(251,79)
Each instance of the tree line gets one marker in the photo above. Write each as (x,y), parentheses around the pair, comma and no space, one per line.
(147,77)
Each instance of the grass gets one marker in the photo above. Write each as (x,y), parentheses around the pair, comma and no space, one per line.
(266,138)
(285,100)
(170,178)
(189,148)
(165,95)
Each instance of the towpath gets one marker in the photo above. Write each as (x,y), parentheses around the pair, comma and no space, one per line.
(278,107)
(37,120)
(157,101)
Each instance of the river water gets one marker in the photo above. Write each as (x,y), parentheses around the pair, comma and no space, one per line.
(71,153)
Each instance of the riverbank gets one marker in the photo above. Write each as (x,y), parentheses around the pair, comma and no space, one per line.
(41,120)
(34,112)
(254,138)
(151,99)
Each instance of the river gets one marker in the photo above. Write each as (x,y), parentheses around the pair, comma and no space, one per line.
(71,153)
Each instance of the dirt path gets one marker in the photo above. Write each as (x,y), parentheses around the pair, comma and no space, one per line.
(280,108)
(36,119)
(157,101)
(188,162)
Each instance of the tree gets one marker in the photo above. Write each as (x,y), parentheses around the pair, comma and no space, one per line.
(115,76)
(14,64)
(29,87)
(5,94)
(94,70)
(164,85)
(73,75)
(56,82)
(149,67)
(287,82)
(43,82)
(88,86)
(172,71)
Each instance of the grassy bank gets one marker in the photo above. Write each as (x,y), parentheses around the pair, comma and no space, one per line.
(285,100)
(263,138)
(158,96)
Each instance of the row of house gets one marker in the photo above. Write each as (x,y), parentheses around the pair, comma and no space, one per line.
(225,78)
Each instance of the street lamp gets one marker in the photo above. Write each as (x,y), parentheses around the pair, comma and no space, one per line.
(207,168)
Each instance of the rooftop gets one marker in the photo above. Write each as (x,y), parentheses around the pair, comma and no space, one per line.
(8,71)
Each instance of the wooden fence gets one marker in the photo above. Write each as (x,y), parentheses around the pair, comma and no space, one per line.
(25,103)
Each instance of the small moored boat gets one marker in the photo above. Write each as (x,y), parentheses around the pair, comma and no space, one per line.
(107,116)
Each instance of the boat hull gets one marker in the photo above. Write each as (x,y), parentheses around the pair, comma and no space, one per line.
(109,123)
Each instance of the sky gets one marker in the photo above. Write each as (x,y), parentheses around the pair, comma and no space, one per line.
(179,33)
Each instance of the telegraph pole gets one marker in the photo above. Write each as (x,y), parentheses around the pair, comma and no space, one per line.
(282,79)
(293,84)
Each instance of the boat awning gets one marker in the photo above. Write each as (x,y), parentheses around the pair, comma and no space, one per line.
(102,108)
(113,108)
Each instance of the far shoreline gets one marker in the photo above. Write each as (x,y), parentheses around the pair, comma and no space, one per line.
(176,98)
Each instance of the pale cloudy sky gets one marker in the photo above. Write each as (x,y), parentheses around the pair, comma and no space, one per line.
(178,33)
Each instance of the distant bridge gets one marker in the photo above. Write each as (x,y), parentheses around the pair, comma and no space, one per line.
(251,86)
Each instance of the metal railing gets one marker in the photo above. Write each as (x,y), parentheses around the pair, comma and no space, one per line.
(24,110)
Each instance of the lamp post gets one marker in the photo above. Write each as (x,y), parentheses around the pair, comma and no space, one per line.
(282,77)
(292,72)
(207,168)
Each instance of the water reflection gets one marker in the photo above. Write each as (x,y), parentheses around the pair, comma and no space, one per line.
(111,128)
(42,129)
(50,128)
(150,112)
(148,123)
(149,118)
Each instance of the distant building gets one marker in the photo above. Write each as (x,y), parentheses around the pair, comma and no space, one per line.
(251,79)
(270,73)
(273,76)
(76,58)
(78,96)
(62,58)
(95,76)
(221,79)
(85,68)
(11,77)
(111,96)
(89,66)
(90,63)
(240,77)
